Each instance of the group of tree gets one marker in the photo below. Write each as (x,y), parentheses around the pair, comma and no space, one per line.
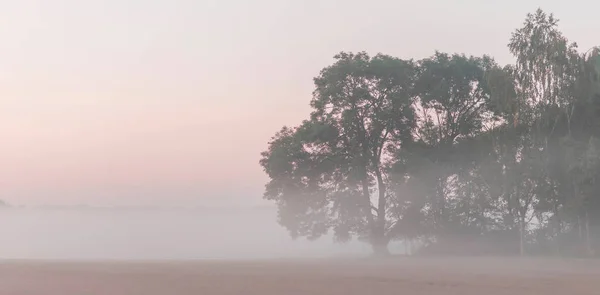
(456,153)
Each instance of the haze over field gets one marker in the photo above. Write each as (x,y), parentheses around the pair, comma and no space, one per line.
(156,234)
(227,147)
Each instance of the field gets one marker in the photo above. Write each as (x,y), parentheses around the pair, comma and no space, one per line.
(430,276)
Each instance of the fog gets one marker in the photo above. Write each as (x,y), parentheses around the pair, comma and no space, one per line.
(155,234)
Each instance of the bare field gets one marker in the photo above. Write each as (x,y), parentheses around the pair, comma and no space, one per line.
(430,276)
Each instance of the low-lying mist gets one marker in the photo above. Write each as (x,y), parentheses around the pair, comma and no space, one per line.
(156,234)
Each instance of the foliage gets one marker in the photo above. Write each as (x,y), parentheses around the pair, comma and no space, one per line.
(449,150)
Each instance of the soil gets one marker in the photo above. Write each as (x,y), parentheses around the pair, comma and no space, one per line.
(429,276)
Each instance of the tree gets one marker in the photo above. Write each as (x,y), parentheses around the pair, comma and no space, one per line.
(331,172)
(580,156)
(545,74)
(453,150)
(453,103)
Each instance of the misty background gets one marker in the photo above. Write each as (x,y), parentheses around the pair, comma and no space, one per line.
(137,103)
(155,103)
(86,233)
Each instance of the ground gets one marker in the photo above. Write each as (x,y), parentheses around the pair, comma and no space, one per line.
(429,276)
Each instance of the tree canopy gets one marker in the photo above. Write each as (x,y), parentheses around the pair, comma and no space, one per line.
(455,152)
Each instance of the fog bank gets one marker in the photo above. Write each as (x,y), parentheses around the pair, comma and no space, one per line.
(131,234)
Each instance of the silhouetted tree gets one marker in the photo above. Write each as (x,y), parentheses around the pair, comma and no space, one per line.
(455,151)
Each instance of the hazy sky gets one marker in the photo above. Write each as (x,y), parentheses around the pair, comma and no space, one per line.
(125,102)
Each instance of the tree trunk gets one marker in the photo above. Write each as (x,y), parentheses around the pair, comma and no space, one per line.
(380,247)
(522,237)
(588,241)
(367,200)
(558,231)
(379,241)
(580,229)
(441,203)
(381,202)
(581,244)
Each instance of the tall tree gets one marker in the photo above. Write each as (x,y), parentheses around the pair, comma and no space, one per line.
(545,74)
(454,106)
(579,149)
(362,110)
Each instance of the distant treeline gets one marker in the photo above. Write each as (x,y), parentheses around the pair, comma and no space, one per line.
(455,152)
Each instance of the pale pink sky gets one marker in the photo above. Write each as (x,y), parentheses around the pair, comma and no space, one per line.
(152,102)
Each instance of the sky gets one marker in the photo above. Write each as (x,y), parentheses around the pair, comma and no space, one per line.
(170,102)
